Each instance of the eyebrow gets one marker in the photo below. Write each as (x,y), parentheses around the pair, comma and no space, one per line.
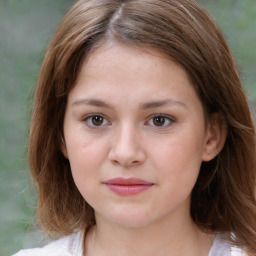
(156,104)
(147,105)
(92,102)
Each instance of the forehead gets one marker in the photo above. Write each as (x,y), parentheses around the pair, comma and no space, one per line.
(122,75)
(134,62)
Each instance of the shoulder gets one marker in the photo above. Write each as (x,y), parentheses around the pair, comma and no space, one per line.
(66,246)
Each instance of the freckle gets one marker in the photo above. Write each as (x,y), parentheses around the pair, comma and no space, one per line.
(85,145)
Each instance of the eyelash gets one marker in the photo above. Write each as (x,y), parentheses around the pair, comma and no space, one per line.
(167,118)
(89,121)
(104,122)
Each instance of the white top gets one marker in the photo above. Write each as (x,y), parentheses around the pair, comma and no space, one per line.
(66,246)
(72,246)
(223,248)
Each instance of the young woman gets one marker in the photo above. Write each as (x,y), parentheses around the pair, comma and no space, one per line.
(141,140)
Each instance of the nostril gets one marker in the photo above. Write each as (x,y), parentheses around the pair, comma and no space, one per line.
(125,163)
(126,159)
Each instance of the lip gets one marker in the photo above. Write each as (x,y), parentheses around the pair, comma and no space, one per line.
(127,187)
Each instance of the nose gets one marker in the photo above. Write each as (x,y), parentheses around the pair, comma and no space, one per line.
(127,147)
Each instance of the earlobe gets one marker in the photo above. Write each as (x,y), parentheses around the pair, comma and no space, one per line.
(64,148)
(215,137)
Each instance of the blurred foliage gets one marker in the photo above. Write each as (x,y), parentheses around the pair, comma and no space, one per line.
(25,29)
(26,26)
(238,21)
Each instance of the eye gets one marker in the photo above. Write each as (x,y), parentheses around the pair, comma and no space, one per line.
(160,121)
(96,120)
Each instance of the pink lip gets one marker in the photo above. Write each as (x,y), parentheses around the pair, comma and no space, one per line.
(127,187)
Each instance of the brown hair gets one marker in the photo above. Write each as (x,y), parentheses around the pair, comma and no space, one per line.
(223,199)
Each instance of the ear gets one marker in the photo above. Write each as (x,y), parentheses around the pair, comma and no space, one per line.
(215,137)
(63,148)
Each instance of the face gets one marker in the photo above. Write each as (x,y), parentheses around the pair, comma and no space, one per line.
(135,136)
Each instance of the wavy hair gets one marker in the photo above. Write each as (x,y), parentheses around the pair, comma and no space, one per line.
(223,199)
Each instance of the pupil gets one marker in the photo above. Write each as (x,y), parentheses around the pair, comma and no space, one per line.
(159,120)
(97,120)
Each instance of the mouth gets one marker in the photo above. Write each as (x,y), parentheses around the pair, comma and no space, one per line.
(127,187)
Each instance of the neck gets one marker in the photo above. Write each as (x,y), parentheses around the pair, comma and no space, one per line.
(162,239)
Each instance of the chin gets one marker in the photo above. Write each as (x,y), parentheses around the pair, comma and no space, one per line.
(130,219)
(131,223)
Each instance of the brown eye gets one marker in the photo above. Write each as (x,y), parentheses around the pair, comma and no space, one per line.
(97,120)
(159,120)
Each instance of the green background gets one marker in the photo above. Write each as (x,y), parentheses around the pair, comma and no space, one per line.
(26,27)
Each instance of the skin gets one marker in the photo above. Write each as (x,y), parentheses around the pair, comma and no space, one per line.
(134,113)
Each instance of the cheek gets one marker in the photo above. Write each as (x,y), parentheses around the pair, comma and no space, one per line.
(177,160)
(85,157)
(178,166)
(180,150)
(86,160)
